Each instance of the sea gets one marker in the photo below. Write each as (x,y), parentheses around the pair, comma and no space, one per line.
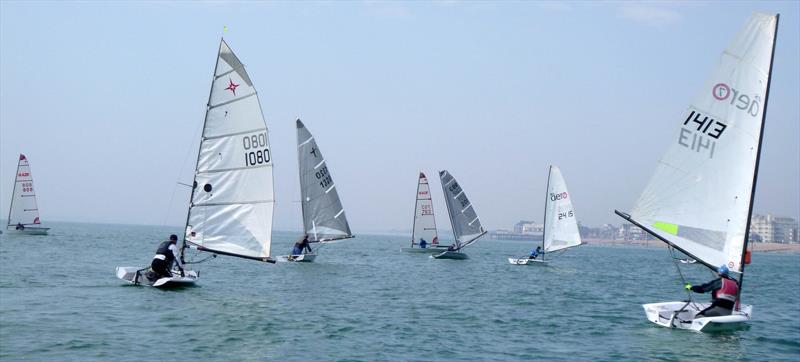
(365,300)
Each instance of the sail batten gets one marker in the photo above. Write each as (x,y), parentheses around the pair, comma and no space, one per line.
(700,196)
(232,199)
(324,218)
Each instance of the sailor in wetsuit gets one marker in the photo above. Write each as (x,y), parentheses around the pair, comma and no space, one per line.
(535,253)
(724,291)
(299,247)
(167,254)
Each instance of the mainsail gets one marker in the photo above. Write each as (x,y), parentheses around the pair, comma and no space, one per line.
(700,198)
(424,221)
(23,208)
(232,199)
(466,225)
(560,225)
(323,215)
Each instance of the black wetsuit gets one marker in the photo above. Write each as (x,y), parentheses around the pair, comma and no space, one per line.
(161,267)
(718,307)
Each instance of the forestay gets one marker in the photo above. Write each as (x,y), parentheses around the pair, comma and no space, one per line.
(560,225)
(232,200)
(466,225)
(700,195)
(23,209)
(424,220)
(323,215)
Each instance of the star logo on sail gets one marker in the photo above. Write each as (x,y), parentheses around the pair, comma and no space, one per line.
(232,86)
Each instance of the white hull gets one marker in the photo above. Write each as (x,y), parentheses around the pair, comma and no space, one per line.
(28,231)
(526,261)
(129,274)
(306,258)
(451,255)
(664,315)
(433,249)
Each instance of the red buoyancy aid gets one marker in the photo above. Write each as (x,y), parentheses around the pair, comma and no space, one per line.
(728,291)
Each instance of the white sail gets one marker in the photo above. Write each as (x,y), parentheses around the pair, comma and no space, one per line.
(232,200)
(560,223)
(700,195)
(23,209)
(424,220)
(323,215)
(466,225)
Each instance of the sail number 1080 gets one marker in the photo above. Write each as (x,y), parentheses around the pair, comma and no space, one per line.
(252,155)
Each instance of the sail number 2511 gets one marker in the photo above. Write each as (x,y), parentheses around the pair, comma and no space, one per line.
(255,149)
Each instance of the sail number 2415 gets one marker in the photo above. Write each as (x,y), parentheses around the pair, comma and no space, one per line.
(255,149)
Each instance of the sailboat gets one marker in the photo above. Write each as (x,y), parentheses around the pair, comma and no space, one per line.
(23,214)
(232,198)
(467,227)
(560,225)
(700,199)
(324,220)
(424,221)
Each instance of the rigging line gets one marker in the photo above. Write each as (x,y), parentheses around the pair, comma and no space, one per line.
(177,177)
(683,280)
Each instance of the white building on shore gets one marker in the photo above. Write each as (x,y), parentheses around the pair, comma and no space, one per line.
(774,229)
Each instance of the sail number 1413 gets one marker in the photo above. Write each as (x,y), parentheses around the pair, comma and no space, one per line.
(255,149)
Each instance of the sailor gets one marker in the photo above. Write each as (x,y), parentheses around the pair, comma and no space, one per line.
(299,247)
(422,243)
(723,294)
(167,254)
(451,247)
(535,253)
(20,226)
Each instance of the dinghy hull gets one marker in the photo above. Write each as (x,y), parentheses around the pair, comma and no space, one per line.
(29,231)
(305,258)
(435,249)
(137,276)
(526,261)
(664,314)
(455,255)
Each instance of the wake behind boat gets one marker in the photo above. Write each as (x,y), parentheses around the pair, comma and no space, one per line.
(700,199)
(232,198)
(560,225)
(23,213)
(467,227)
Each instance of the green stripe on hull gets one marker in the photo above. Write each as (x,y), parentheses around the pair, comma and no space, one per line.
(665,226)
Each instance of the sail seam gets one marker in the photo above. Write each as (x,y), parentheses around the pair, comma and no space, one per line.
(233,134)
(331,188)
(464,209)
(339,213)
(210,107)
(234,203)
(234,169)
(473,220)
(319,164)
(459,194)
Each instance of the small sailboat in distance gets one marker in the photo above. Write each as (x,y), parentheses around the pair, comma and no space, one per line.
(560,225)
(324,218)
(424,237)
(700,198)
(23,213)
(467,227)
(232,199)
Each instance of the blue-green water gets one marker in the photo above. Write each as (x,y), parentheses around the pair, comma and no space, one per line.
(365,300)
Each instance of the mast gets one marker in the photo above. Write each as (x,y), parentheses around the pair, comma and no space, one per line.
(300,182)
(758,156)
(13,191)
(544,216)
(199,147)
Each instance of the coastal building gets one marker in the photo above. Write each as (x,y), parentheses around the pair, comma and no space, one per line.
(774,229)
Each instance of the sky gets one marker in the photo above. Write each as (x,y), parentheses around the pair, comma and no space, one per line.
(107,100)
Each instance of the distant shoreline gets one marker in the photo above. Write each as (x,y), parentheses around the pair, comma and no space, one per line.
(755,247)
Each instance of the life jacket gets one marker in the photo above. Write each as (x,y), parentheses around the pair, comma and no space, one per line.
(728,291)
(163,249)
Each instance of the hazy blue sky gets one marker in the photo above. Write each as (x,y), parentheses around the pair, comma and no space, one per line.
(107,100)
